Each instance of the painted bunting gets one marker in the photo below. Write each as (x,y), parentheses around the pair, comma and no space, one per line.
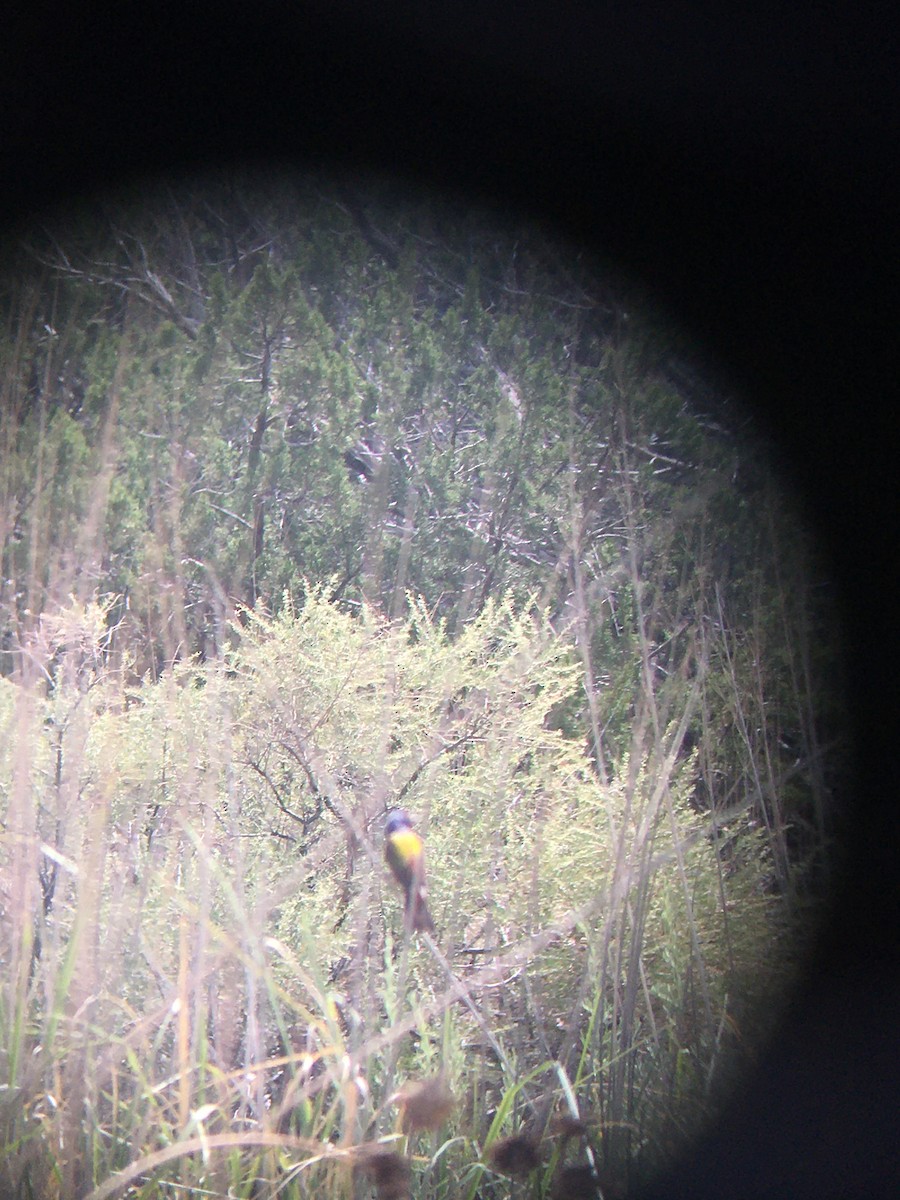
(405,854)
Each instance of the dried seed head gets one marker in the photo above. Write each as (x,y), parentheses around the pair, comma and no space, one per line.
(576,1183)
(426,1104)
(567,1126)
(515,1155)
(389,1174)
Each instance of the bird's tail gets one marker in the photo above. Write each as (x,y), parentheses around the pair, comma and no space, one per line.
(417,915)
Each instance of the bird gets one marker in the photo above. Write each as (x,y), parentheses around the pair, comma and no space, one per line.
(405,854)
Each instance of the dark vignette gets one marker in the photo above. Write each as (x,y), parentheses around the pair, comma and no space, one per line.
(740,165)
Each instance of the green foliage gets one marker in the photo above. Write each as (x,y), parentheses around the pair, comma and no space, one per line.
(222,827)
(313,507)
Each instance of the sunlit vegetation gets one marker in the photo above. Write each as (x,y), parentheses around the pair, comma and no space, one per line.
(313,505)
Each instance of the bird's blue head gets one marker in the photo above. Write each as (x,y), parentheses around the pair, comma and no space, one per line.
(397,820)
